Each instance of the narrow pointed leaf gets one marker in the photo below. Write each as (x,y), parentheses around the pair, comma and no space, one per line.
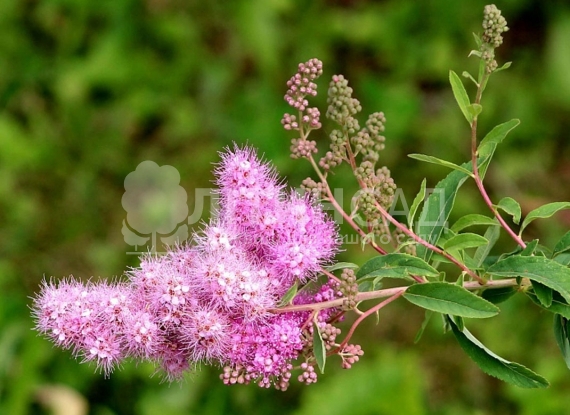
(460,95)
(558,305)
(447,298)
(341,265)
(507,65)
(536,268)
(563,258)
(495,137)
(427,318)
(395,265)
(289,295)
(562,245)
(492,235)
(464,241)
(487,147)
(435,160)
(367,285)
(543,293)
(498,295)
(319,348)
(530,248)
(436,210)
(472,220)
(494,365)
(467,75)
(478,40)
(561,336)
(512,207)
(544,211)
(459,322)
(416,203)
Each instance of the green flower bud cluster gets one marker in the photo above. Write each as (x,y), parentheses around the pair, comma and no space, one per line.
(367,206)
(329,334)
(341,103)
(368,141)
(379,181)
(337,153)
(494,25)
(349,287)
(380,189)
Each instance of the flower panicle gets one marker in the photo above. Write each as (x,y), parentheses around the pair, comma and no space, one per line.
(209,301)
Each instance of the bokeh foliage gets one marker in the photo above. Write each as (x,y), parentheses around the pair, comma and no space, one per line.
(88,90)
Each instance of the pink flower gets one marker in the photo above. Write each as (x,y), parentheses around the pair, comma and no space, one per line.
(210,301)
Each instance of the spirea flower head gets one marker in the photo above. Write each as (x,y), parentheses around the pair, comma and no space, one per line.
(305,240)
(250,195)
(87,318)
(210,300)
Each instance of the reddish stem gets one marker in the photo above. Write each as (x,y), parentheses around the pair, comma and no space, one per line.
(428,245)
(477,177)
(388,292)
(366,314)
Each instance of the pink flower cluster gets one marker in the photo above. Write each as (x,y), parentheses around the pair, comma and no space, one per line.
(209,301)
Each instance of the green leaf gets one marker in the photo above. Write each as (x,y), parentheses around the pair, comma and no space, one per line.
(478,40)
(561,336)
(507,65)
(289,295)
(536,268)
(543,293)
(416,203)
(464,241)
(563,258)
(490,142)
(494,365)
(341,265)
(427,318)
(498,295)
(472,220)
(459,322)
(512,207)
(319,349)
(445,163)
(475,53)
(447,298)
(474,110)
(436,210)
(495,137)
(530,248)
(558,306)
(563,244)
(492,235)
(395,265)
(467,75)
(367,285)
(460,95)
(544,211)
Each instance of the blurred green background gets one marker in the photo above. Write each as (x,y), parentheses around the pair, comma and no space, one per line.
(88,90)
